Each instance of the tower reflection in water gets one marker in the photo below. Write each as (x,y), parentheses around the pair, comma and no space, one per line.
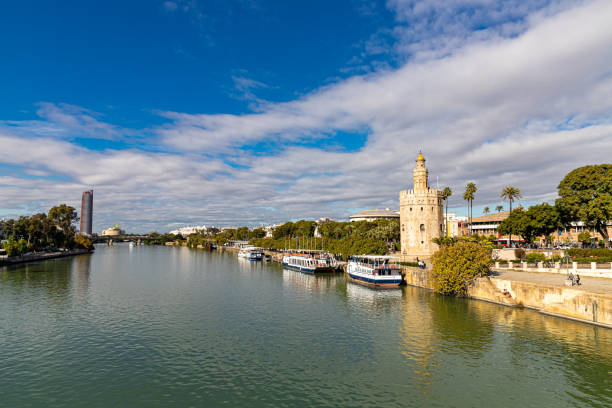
(482,343)
(81,270)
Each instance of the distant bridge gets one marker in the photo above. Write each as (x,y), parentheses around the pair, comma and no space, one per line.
(121,238)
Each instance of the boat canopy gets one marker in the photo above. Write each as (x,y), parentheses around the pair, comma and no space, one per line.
(376,257)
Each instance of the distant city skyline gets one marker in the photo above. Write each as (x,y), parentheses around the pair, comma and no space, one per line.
(257,112)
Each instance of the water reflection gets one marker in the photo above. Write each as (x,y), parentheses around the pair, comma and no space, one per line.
(81,267)
(569,360)
(361,296)
(49,279)
(309,283)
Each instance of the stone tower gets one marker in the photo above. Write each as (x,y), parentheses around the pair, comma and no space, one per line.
(421,216)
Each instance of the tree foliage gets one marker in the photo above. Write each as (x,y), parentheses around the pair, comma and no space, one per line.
(15,247)
(510,193)
(585,194)
(40,231)
(538,220)
(456,265)
(468,195)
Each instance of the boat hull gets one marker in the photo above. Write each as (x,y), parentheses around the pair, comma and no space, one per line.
(387,282)
(316,270)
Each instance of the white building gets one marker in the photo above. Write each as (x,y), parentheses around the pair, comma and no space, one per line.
(113,231)
(192,229)
(454,224)
(372,215)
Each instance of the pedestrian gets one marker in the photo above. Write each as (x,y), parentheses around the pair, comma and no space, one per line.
(571,278)
(577,279)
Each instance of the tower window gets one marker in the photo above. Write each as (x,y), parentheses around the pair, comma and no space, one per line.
(421,208)
(422,227)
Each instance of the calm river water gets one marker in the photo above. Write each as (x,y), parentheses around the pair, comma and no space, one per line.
(174,327)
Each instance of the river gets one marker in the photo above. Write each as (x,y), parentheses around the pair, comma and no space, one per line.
(175,327)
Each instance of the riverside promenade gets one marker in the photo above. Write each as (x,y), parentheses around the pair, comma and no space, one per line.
(587,283)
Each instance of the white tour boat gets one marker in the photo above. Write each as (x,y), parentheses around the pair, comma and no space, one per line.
(374,270)
(310,262)
(251,253)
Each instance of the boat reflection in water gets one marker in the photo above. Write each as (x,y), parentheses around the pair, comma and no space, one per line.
(307,282)
(364,296)
(247,265)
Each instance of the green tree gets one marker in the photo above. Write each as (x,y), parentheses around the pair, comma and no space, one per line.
(456,265)
(284,230)
(585,194)
(499,208)
(64,216)
(14,247)
(258,233)
(446,193)
(543,219)
(517,223)
(486,210)
(510,193)
(468,195)
(584,237)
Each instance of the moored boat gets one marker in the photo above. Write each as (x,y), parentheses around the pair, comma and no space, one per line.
(374,270)
(310,262)
(251,253)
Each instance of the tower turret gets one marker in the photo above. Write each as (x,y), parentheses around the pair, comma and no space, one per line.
(420,174)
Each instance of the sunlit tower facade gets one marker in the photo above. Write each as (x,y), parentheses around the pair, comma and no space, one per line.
(86,212)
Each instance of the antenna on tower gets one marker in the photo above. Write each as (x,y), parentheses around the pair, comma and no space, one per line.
(436,182)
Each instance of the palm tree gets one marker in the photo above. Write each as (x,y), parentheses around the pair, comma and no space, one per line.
(510,193)
(486,210)
(499,208)
(470,190)
(447,192)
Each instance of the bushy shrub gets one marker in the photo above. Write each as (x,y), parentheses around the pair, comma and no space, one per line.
(15,248)
(589,252)
(456,265)
(600,259)
(535,257)
(83,242)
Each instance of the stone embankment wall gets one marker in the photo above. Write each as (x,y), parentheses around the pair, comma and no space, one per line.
(40,256)
(566,302)
(559,301)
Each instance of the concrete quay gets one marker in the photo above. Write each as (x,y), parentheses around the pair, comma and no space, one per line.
(40,256)
(590,302)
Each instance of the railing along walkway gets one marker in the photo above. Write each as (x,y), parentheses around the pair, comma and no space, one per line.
(597,270)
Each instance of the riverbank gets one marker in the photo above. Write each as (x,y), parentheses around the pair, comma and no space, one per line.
(12,260)
(589,303)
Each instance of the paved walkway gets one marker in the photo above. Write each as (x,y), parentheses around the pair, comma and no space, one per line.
(588,284)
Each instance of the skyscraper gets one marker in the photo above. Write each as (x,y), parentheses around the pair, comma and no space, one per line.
(86,212)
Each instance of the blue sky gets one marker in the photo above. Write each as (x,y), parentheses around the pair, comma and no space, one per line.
(250,112)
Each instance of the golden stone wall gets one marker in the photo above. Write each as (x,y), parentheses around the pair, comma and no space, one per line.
(421,216)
